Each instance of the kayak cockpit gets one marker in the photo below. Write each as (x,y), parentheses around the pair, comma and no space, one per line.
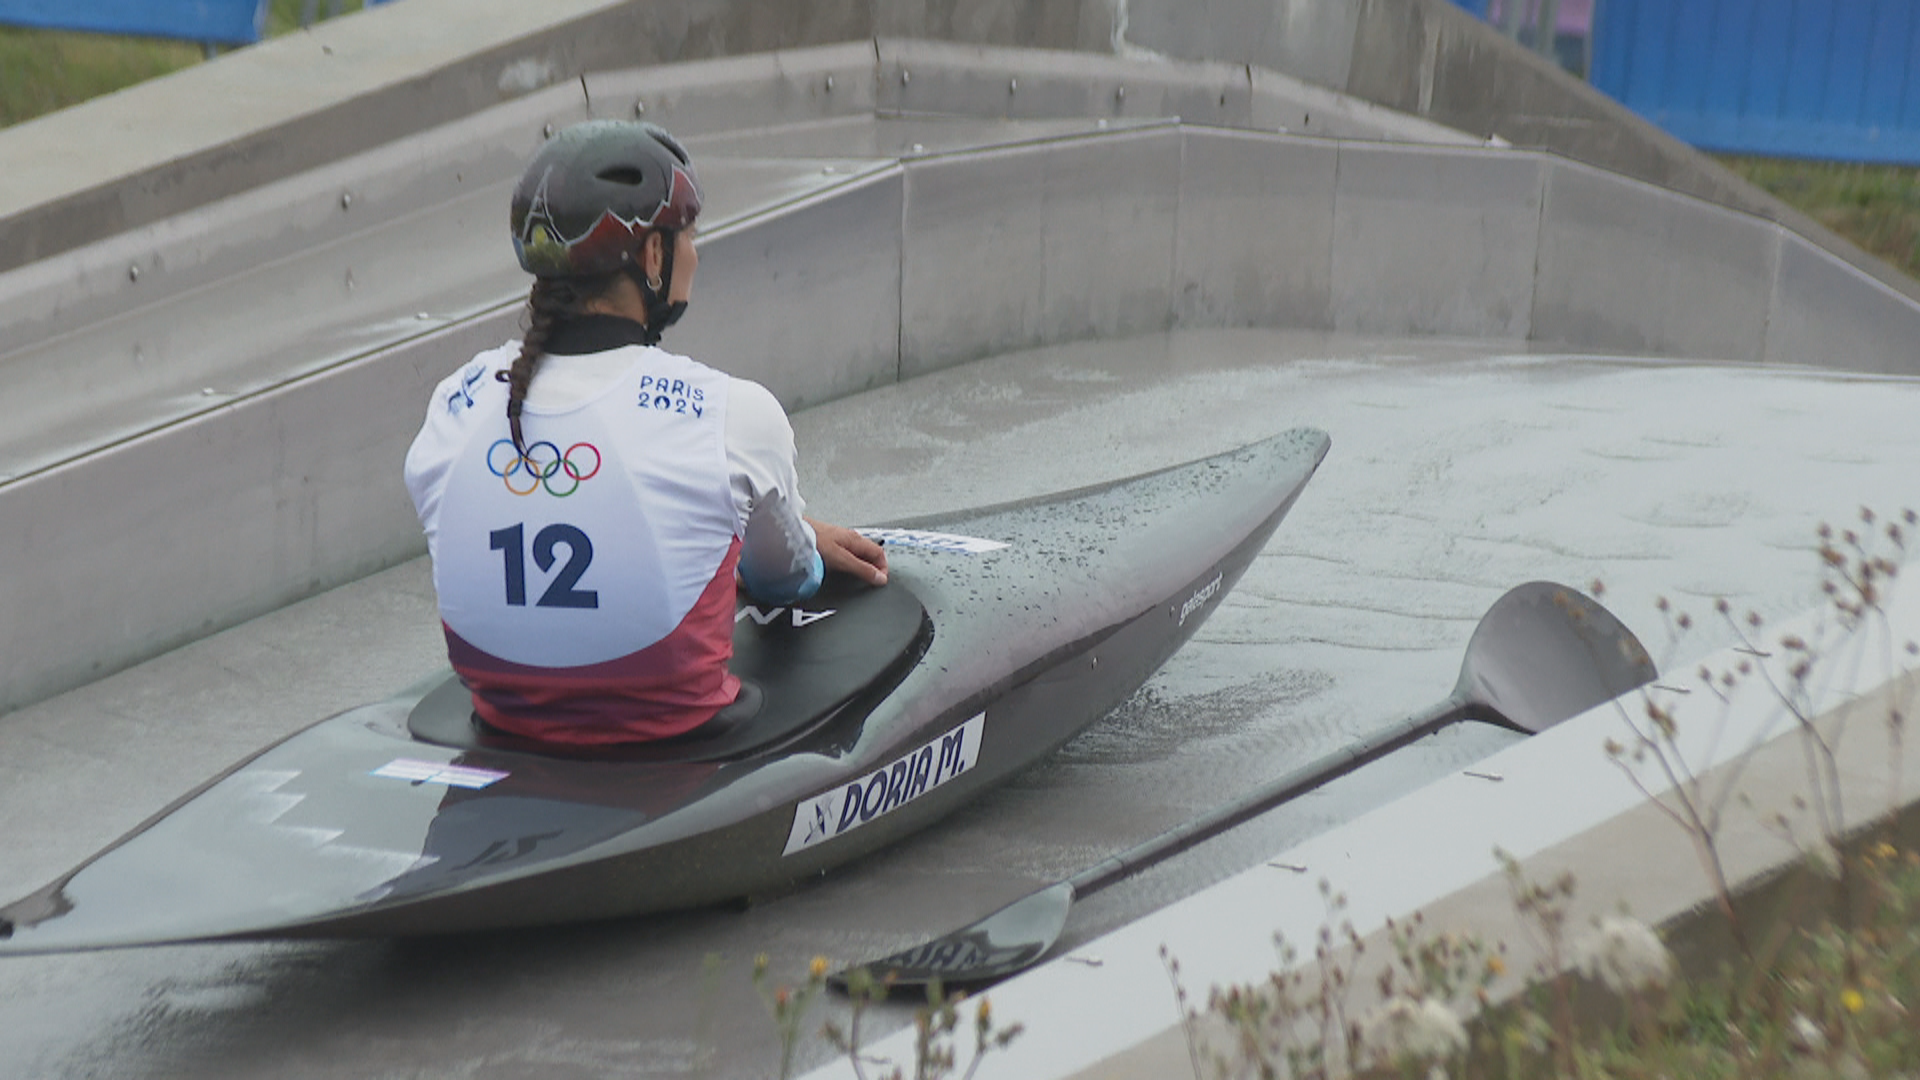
(799,666)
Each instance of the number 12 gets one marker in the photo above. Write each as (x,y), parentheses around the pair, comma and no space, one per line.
(511,543)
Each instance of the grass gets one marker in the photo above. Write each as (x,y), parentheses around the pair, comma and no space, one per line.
(1875,206)
(1832,999)
(45,70)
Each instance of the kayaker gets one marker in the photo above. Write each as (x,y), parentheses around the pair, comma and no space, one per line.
(590,500)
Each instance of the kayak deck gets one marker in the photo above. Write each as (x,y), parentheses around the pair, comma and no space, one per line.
(352,827)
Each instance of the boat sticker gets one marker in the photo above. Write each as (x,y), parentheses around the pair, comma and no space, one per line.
(933,541)
(1200,597)
(857,802)
(768,615)
(437,772)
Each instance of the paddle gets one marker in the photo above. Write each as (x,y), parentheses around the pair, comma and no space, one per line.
(1541,654)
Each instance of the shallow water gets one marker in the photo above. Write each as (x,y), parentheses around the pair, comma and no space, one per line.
(1457,471)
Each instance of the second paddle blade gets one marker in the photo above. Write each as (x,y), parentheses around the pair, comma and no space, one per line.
(1543,654)
(1005,942)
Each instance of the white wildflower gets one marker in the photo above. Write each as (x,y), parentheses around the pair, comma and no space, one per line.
(1806,1035)
(1403,1031)
(1626,955)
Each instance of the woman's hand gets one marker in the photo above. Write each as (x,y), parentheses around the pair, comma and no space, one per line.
(847,551)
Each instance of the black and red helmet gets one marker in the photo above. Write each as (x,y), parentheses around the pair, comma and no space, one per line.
(592,194)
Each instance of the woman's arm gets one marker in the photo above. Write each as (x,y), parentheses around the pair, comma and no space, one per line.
(847,551)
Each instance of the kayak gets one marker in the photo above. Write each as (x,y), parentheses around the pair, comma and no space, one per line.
(866,714)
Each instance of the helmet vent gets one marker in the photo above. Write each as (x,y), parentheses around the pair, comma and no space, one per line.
(629,175)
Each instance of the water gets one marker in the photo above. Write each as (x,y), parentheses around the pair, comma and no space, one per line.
(1458,469)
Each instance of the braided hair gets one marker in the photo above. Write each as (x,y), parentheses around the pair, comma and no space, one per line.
(552,301)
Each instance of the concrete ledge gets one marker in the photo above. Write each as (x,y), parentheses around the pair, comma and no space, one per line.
(1826,312)
(772,94)
(987,81)
(1629,267)
(1036,244)
(1306,39)
(261,235)
(1255,237)
(1559,805)
(821,278)
(300,101)
(287,105)
(203,524)
(1432,59)
(297,102)
(1433,241)
(763,91)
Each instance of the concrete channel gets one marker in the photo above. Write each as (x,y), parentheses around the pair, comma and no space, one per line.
(978,272)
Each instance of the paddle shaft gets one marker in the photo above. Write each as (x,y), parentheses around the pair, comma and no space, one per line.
(1544,653)
(1289,786)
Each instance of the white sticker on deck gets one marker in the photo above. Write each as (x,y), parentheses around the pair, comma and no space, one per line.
(436,772)
(933,541)
(857,802)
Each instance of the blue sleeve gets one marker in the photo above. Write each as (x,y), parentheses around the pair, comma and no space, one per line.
(779,557)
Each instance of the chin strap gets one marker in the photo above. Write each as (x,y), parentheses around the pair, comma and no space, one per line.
(661,312)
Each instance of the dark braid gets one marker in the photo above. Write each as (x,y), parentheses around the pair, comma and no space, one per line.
(551,300)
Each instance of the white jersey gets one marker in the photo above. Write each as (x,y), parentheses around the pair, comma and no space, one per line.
(592,577)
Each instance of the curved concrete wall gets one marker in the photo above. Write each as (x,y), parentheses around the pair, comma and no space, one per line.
(300,101)
(907,267)
(211,406)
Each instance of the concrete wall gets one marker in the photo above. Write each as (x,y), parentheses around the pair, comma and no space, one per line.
(297,102)
(1431,59)
(441,181)
(916,266)
(898,270)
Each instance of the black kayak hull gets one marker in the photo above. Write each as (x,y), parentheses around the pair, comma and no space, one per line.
(317,837)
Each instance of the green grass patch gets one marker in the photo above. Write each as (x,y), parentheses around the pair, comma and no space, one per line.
(1875,206)
(45,70)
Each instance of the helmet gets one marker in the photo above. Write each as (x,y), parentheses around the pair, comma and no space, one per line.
(592,194)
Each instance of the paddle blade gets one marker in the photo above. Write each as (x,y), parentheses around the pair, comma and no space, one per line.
(1543,654)
(1004,942)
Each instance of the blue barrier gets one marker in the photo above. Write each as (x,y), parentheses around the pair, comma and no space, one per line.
(217,22)
(1834,80)
(224,22)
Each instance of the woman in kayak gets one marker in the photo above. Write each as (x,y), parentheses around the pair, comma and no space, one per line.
(590,499)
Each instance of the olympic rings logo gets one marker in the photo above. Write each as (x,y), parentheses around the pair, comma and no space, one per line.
(539,467)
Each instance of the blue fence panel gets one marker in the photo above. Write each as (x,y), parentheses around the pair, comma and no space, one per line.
(224,22)
(1830,79)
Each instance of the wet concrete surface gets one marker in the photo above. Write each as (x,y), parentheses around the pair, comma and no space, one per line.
(1457,470)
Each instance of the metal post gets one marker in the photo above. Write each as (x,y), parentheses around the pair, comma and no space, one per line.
(1586,49)
(1547,31)
(1510,17)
